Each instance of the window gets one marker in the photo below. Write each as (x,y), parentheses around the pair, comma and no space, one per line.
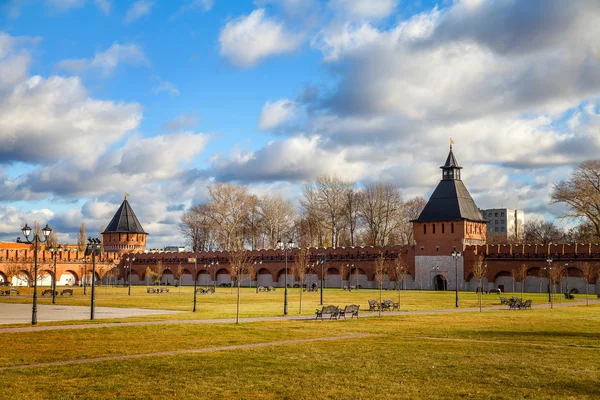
(496,215)
(502,221)
(495,229)
(452,227)
(503,229)
(502,214)
(490,215)
(424,229)
(443,228)
(433,229)
(445,173)
(496,221)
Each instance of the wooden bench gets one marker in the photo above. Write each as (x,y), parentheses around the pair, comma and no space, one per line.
(351,310)
(389,305)
(526,305)
(503,300)
(331,311)
(374,305)
(150,290)
(569,296)
(9,292)
(47,292)
(66,291)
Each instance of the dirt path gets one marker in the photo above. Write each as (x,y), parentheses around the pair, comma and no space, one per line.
(559,346)
(189,351)
(365,314)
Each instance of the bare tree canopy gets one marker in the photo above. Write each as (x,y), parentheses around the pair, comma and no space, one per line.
(81,238)
(380,208)
(581,193)
(538,231)
(325,200)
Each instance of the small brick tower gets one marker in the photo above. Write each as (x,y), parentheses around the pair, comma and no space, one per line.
(450,221)
(124,233)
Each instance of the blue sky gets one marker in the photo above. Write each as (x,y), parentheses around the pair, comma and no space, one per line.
(160,98)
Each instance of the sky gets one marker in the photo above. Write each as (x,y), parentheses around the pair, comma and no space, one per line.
(159,99)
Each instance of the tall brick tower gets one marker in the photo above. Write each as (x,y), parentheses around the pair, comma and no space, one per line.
(124,233)
(450,221)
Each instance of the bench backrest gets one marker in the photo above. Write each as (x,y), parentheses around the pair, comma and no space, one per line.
(352,308)
(372,302)
(330,309)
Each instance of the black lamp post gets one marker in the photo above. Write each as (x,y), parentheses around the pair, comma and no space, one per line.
(285,247)
(195,280)
(549,261)
(456,255)
(321,260)
(36,241)
(130,261)
(93,248)
(55,252)
(567,278)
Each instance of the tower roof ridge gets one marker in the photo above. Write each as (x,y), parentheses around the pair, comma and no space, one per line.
(125,221)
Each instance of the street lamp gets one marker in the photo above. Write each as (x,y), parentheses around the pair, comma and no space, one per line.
(55,251)
(285,247)
(549,261)
(93,248)
(321,260)
(36,241)
(195,281)
(456,255)
(130,261)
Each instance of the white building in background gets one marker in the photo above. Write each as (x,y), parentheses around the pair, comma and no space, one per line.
(504,221)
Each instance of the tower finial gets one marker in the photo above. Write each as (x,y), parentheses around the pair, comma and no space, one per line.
(127,195)
(451,143)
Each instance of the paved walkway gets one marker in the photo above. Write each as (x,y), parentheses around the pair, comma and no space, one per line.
(21,313)
(189,351)
(232,320)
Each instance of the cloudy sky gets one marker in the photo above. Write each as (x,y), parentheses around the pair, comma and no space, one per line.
(160,98)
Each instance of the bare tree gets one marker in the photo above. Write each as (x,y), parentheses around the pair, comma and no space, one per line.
(554,276)
(159,269)
(380,273)
(411,209)
(343,270)
(542,232)
(514,273)
(239,261)
(229,211)
(179,274)
(380,209)
(52,240)
(300,268)
(277,217)
(523,277)
(581,194)
(150,275)
(421,275)
(350,211)
(253,223)
(81,239)
(479,273)
(400,271)
(587,272)
(197,228)
(325,199)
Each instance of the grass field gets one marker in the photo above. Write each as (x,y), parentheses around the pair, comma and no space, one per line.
(539,354)
(223,303)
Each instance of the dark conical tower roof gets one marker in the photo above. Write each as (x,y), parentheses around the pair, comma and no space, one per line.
(125,221)
(450,201)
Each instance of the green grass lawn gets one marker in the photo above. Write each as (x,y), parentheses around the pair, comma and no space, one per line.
(223,303)
(539,354)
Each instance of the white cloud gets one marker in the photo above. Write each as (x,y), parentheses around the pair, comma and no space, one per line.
(138,10)
(108,60)
(274,114)
(248,39)
(104,5)
(166,87)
